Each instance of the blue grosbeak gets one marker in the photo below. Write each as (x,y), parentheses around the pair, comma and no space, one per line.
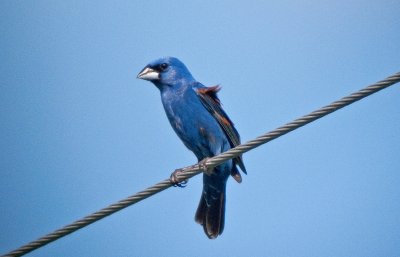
(196,115)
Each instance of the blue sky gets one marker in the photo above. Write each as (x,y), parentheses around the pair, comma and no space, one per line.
(78,131)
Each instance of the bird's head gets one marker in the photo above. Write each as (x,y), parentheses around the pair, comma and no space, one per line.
(167,71)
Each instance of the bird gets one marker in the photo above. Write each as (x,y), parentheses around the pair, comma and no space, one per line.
(196,115)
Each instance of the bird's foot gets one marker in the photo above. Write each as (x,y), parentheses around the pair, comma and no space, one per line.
(176,180)
(179,182)
(204,167)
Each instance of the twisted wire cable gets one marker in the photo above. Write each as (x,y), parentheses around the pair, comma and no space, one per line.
(240,149)
(190,171)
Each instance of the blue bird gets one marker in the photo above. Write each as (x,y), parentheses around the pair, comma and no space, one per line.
(196,115)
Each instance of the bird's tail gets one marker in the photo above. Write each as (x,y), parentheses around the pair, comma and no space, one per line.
(211,211)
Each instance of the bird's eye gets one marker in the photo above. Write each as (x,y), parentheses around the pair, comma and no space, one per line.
(163,66)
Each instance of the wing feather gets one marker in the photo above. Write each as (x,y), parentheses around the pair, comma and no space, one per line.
(210,100)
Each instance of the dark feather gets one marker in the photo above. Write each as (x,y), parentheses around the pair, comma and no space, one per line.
(211,213)
(210,100)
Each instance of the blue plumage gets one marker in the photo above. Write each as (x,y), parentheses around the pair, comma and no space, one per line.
(196,116)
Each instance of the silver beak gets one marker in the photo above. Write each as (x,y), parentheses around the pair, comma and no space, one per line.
(148,74)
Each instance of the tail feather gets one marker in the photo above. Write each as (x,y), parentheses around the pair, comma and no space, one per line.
(236,174)
(211,213)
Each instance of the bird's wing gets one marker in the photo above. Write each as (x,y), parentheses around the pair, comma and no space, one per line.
(210,100)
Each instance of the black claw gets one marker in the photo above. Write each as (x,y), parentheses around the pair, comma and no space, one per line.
(181,184)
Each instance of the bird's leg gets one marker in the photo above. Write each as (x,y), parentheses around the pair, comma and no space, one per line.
(204,167)
(175,180)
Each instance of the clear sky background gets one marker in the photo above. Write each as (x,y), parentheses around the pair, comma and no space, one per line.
(78,131)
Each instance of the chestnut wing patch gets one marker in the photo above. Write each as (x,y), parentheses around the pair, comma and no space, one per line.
(210,100)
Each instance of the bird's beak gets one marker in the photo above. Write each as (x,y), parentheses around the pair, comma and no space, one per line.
(148,74)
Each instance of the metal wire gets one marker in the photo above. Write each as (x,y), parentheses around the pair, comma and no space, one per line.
(240,149)
(193,170)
